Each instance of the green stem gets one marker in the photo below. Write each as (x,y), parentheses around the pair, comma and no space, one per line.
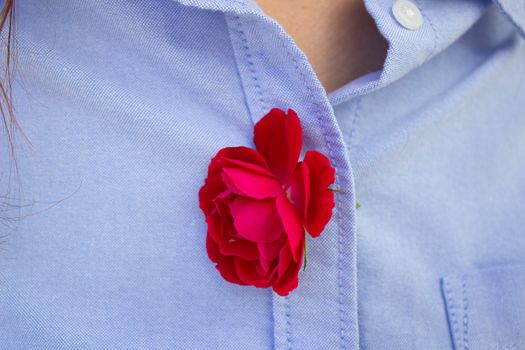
(304,260)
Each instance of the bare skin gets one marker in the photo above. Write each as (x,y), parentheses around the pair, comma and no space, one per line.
(339,37)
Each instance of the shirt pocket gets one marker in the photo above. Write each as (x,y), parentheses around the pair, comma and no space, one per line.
(486,308)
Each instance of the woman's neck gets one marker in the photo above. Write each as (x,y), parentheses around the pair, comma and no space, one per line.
(339,37)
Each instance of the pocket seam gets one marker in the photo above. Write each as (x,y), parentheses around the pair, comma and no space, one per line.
(458,310)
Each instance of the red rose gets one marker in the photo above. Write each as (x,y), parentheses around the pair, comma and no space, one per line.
(258,204)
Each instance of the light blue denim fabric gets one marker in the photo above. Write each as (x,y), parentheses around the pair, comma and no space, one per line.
(125,102)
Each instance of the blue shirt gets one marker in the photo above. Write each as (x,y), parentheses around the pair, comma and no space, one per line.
(125,102)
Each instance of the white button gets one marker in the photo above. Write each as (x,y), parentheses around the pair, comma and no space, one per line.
(407,14)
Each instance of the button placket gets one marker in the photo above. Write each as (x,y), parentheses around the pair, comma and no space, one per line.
(322,311)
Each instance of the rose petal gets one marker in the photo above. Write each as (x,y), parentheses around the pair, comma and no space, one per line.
(212,249)
(226,268)
(293,224)
(213,187)
(278,138)
(215,228)
(321,203)
(265,266)
(222,203)
(256,220)
(234,163)
(231,154)
(285,259)
(267,276)
(288,272)
(251,184)
(270,251)
(240,247)
(243,270)
(246,270)
(286,285)
(299,190)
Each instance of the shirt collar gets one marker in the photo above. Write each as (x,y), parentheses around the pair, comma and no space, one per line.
(233,6)
(514,11)
(444,23)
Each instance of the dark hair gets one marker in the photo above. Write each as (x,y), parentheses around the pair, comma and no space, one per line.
(9,121)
